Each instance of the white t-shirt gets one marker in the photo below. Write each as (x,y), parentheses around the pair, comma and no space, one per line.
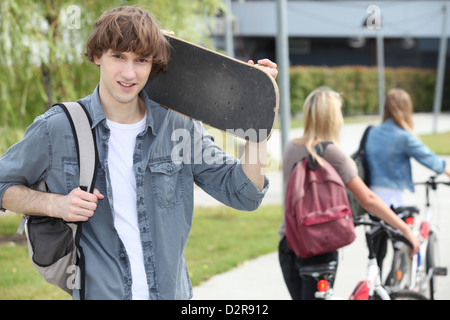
(120,161)
(390,196)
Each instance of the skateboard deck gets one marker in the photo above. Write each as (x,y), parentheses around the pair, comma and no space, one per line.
(220,91)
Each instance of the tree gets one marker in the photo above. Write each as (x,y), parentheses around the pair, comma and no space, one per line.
(41,46)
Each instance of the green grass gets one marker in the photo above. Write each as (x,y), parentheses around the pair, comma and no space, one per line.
(221,238)
(20,281)
(9,223)
(438,143)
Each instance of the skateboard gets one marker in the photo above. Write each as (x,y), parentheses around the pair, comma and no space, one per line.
(222,92)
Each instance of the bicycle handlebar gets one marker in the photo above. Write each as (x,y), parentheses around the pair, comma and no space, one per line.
(379,227)
(431,182)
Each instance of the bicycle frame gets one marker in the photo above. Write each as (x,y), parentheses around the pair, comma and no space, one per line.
(421,274)
(374,281)
(417,277)
(326,272)
(373,271)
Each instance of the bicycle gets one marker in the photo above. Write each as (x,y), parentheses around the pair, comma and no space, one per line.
(414,273)
(325,274)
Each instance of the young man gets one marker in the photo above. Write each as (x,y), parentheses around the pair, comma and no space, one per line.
(137,221)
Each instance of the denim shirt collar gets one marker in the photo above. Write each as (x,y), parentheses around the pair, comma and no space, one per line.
(390,122)
(98,115)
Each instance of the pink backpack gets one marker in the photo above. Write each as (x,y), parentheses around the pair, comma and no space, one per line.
(317,211)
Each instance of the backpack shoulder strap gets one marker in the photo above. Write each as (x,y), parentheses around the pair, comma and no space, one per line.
(84,136)
(362,144)
(320,150)
(321,146)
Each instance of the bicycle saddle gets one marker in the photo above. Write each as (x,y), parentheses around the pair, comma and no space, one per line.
(407,211)
(318,269)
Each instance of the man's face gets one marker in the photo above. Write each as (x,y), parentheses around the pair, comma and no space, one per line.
(122,76)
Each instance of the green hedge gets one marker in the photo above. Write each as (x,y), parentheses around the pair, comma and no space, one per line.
(359,86)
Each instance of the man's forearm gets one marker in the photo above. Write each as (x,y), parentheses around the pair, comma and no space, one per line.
(254,162)
(78,205)
(21,199)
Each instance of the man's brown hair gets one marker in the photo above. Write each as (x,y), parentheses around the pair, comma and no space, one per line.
(129,29)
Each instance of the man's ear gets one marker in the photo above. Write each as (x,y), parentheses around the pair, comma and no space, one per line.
(96,60)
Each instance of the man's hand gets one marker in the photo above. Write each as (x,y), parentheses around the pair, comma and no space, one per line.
(269,66)
(78,205)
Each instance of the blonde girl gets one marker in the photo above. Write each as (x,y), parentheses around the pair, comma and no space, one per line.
(323,121)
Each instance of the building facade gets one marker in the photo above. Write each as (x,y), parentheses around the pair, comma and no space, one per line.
(334,33)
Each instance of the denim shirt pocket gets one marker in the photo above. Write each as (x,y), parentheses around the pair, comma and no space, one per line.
(71,174)
(167,183)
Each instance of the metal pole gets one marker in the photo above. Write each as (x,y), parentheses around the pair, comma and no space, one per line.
(440,69)
(229,29)
(283,68)
(380,65)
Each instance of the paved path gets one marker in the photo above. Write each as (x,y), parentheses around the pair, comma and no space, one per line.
(261,278)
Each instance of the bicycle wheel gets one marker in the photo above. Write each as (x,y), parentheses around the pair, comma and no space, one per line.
(406,295)
(400,274)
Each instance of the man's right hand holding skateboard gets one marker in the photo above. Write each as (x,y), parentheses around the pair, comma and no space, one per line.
(269,66)
(254,159)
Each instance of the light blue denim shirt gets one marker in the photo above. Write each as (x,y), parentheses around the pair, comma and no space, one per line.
(389,149)
(171,154)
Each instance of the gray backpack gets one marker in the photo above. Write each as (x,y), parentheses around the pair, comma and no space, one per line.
(53,242)
(359,157)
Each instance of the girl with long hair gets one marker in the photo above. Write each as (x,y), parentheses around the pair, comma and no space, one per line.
(323,121)
(389,149)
